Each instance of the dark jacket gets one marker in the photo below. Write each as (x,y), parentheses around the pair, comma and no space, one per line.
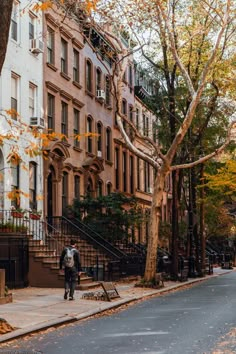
(77,264)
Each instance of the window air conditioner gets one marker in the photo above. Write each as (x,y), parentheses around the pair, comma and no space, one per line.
(36,46)
(101,94)
(99,153)
(37,122)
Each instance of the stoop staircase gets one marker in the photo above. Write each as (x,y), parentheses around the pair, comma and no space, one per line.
(97,255)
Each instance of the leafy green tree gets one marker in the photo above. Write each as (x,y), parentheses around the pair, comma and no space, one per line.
(113,216)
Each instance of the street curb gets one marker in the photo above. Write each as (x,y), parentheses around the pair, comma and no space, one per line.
(70,319)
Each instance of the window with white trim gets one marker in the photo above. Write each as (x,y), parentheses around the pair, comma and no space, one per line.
(15,21)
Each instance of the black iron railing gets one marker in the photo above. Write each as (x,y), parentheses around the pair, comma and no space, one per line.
(73,228)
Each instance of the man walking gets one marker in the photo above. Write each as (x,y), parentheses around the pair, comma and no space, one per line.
(70,259)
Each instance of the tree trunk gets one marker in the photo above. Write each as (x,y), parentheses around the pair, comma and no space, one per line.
(5,10)
(202,224)
(155,217)
(175,226)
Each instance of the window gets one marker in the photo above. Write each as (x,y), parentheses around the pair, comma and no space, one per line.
(131,113)
(51,112)
(124,107)
(64,118)
(146,177)
(99,138)
(138,173)
(117,168)
(14,21)
(64,192)
(131,171)
(50,46)
(147,126)
(88,76)
(33,186)
(14,95)
(154,132)
(109,188)
(108,91)
(98,80)
(137,118)
(15,185)
(31,27)
(89,138)
(32,100)
(144,124)
(77,187)
(99,189)
(130,76)
(75,65)
(108,144)
(64,56)
(76,127)
(124,172)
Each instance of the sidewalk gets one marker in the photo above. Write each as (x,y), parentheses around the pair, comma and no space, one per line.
(35,309)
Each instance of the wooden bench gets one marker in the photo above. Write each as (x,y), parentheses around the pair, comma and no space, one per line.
(110,290)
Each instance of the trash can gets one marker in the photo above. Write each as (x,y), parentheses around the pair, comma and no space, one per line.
(98,272)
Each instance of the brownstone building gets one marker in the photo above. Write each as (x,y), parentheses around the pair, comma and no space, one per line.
(78,102)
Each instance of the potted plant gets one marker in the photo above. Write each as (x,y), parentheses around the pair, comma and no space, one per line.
(17,213)
(35,215)
(9,227)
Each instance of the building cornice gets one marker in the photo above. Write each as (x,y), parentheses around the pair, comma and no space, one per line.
(52,86)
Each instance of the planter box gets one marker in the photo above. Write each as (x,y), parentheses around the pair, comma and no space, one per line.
(35,216)
(17,214)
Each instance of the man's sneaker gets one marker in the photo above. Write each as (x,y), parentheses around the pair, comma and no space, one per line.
(71,298)
(66,295)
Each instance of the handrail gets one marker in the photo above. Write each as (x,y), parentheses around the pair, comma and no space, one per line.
(96,236)
(98,241)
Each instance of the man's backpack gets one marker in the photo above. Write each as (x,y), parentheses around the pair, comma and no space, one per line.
(69,258)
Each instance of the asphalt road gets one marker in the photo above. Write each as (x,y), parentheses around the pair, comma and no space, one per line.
(192,320)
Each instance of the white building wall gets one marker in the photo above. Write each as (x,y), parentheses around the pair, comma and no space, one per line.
(29,69)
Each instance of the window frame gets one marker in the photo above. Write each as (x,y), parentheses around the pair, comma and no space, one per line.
(50,46)
(64,118)
(76,63)
(64,56)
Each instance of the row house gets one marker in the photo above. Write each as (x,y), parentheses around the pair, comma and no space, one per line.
(21,102)
(59,84)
